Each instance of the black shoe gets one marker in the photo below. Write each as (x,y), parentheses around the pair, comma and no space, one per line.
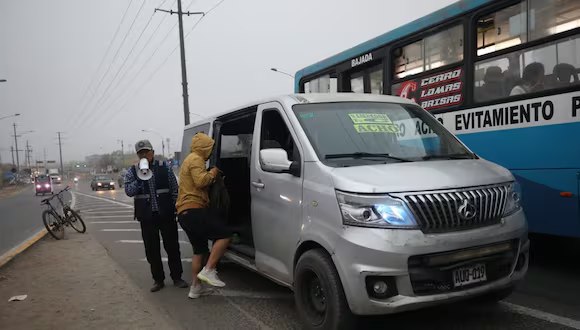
(158,286)
(180,284)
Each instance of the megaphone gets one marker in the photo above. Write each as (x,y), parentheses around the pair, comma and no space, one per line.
(144,173)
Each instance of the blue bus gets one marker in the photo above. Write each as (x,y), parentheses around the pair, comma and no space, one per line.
(503,75)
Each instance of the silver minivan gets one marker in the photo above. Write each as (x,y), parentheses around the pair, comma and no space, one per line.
(365,205)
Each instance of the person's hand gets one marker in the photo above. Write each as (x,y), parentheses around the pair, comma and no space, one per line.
(214,171)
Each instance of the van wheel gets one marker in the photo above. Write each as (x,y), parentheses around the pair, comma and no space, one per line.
(318,293)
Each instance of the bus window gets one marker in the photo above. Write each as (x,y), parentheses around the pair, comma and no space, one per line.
(502,29)
(553,17)
(437,50)
(444,48)
(357,84)
(322,84)
(549,66)
(376,78)
(409,60)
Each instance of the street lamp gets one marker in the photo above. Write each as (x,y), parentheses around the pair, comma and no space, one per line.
(2,80)
(161,136)
(10,116)
(282,72)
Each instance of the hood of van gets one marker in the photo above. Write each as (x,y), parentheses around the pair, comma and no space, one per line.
(419,176)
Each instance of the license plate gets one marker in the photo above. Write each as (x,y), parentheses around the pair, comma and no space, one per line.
(469,275)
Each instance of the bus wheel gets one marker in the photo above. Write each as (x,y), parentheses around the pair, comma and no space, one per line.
(318,293)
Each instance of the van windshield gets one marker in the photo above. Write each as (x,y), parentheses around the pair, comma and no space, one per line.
(363,133)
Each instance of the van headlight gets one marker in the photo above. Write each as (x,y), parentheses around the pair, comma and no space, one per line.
(513,203)
(375,211)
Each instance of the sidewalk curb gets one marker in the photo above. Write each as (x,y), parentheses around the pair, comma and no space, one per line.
(6,257)
(11,254)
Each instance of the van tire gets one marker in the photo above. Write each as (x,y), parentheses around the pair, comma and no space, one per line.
(317,287)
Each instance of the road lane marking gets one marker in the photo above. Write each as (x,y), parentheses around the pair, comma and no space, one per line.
(126,229)
(103,210)
(556,319)
(252,294)
(164,259)
(104,199)
(88,216)
(136,241)
(112,222)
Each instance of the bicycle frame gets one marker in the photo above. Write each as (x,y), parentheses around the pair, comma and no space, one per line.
(63,205)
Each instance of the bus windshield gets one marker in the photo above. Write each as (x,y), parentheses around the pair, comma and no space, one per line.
(362,133)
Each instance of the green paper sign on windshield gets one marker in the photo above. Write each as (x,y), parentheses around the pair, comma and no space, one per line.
(373,123)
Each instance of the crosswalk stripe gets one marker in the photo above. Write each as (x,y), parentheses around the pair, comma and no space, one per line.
(110,222)
(88,216)
(164,259)
(121,229)
(126,229)
(106,211)
(137,241)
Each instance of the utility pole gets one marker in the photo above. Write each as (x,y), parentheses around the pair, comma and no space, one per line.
(122,153)
(180,14)
(12,152)
(28,150)
(60,150)
(16,145)
(168,151)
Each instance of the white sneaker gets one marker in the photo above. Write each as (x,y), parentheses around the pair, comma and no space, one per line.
(197,291)
(210,277)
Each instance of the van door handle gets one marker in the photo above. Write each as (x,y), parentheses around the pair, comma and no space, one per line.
(258,185)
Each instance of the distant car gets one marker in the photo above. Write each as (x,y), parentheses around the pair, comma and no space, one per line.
(43,185)
(56,178)
(102,182)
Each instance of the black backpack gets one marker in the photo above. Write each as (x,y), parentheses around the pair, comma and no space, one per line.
(219,198)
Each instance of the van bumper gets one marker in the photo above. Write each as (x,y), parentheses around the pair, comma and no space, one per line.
(391,254)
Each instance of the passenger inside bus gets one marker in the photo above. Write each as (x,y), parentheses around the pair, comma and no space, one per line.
(532,80)
(493,85)
(565,75)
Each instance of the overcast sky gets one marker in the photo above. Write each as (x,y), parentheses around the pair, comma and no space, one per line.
(53,55)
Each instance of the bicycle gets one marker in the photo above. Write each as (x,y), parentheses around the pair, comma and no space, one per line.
(55,223)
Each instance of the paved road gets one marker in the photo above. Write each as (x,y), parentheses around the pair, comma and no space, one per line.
(547,300)
(20,218)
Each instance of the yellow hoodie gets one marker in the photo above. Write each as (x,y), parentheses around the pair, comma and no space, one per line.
(194,178)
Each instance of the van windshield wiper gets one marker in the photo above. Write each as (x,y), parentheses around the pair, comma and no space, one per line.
(450,156)
(357,155)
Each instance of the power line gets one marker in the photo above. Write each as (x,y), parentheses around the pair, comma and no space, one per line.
(161,64)
(114,80)
(107,51)
(92,81)
(145,64)
(117,54)
(142,66)
(135,60)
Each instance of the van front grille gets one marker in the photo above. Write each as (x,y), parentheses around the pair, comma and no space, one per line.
(454,210)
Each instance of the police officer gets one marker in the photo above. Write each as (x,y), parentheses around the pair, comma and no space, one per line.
(154,201)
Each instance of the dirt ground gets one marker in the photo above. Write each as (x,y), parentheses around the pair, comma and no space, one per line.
(73,284)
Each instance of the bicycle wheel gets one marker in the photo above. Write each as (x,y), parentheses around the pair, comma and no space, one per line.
(52,224)
(76,222)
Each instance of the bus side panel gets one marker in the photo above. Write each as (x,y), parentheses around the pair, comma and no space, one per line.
(547,211)
(546,161)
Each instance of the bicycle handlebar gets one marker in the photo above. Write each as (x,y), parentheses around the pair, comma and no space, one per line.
(46,200)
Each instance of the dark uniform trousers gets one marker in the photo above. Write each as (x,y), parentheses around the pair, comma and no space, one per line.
(150,230)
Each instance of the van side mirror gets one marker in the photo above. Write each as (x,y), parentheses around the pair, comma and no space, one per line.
(275,160)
